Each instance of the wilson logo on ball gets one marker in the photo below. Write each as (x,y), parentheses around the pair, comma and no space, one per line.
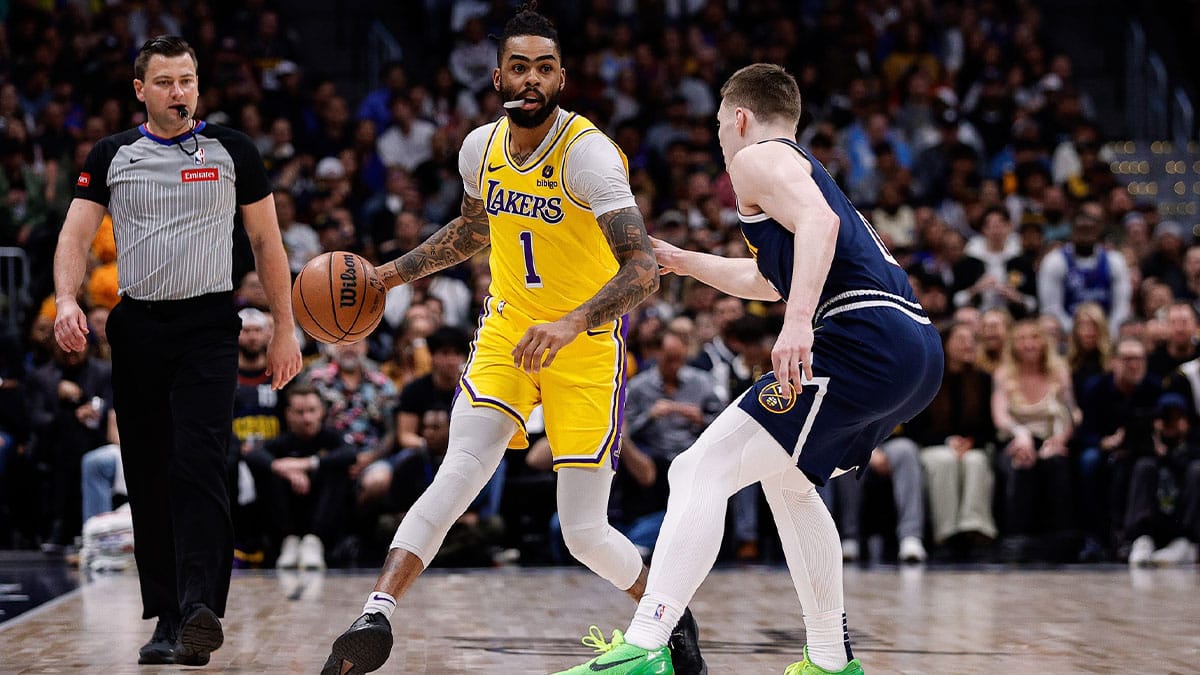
(349,293)
(338,298)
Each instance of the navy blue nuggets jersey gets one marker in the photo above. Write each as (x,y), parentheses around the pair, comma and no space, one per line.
(876,359)
(861,261)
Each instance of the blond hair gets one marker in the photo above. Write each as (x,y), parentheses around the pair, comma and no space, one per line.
(1089,311)
(765,89)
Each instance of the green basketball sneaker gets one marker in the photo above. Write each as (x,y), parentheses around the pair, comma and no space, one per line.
(807,667)
(621,658)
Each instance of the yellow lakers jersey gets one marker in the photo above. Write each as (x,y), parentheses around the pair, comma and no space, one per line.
(548,253)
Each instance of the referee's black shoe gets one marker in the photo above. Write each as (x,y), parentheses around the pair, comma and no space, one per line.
(684,644)
(160,650)
(366,645)
(199,635)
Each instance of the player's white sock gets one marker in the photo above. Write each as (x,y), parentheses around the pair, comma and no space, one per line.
(656,617)
(381,602)
(828,639)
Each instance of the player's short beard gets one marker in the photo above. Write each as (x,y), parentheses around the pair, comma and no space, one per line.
(531,119)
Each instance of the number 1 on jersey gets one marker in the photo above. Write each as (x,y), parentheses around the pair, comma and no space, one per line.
(532,280)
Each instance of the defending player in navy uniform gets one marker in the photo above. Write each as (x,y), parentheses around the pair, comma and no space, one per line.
(857,356)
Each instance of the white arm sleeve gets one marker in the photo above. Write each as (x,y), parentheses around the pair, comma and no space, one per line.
(595,173)
(470,156)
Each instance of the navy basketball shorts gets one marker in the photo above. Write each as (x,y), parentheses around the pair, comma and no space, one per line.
(873,369)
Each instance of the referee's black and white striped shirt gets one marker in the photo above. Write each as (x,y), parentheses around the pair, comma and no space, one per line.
(173,202)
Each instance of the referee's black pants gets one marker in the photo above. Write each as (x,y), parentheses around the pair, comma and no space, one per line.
(174,374)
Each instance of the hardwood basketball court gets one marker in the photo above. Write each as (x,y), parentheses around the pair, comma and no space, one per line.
(907,620)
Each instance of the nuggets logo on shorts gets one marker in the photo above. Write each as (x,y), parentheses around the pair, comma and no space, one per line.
(772,398)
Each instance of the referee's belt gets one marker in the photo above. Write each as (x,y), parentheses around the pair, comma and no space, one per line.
(181,306)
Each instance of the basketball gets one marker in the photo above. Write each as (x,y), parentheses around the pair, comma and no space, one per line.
(338,298)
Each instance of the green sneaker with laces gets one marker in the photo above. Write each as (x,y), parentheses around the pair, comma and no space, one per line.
(807,667)
(621,658)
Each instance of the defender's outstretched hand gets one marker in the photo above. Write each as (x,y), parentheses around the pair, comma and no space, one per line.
(670,257)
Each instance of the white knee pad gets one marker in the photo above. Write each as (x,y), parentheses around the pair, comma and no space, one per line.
(478,437)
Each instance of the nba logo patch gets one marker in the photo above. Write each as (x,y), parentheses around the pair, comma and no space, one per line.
(658,612)
(198,158)
(773,399)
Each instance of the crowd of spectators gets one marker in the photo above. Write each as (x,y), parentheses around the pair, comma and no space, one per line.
(1065,427)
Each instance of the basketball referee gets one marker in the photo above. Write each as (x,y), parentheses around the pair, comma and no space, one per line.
(173,186)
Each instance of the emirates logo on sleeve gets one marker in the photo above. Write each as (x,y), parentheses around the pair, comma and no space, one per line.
(84,180)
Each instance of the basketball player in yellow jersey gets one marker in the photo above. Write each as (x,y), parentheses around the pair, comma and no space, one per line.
(569,257)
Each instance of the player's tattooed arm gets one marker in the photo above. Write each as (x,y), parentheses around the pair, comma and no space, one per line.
(460,239)
(637,276)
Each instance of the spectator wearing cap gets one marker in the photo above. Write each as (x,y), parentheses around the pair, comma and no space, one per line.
(1164,490)
(329,169)
(273,77)
(1115,430)
(671,227)
(1165,262)
(333,186)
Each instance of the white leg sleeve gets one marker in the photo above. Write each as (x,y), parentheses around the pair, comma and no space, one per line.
(583,513)
(478,438)
(810,540)
(733,452)
(814,557)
